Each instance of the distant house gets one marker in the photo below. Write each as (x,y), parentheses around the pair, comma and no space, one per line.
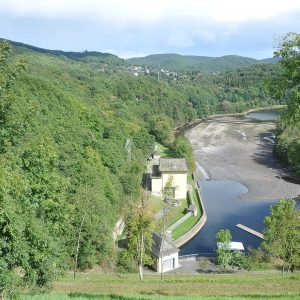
(175,168)
(165,254)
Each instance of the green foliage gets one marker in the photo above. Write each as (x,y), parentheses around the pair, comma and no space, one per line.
(286,85)
(126,262)
(63,128)
(224,255)
(160,127)
(183,148)
(227,258)
(139,228)
(62,135)
(282,235)
(200,63)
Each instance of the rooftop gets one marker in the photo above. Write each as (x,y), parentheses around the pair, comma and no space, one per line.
(173,165)
(158,248)
(232,246)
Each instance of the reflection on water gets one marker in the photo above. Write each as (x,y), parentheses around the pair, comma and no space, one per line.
(225,209)
(263,115)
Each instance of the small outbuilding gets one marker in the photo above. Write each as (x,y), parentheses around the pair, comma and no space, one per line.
(165,254)
(233,246)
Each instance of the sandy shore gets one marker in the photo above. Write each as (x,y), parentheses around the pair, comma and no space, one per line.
(229,148)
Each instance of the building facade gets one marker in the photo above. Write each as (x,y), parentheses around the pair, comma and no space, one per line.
(172,170)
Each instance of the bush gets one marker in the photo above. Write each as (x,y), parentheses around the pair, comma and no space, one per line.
(126,263)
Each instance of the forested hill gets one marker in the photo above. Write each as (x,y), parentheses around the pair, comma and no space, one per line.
(64,125)
(178,62)
(85,56)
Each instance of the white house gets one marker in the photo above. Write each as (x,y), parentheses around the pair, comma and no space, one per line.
(165,254)
(174,168)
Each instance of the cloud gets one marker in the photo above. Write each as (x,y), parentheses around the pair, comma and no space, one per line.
(136,27)
(150,11)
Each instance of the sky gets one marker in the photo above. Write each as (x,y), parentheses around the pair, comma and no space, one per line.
(131,28)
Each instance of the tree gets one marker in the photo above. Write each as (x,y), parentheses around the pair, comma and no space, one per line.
(227,258)
(183,148)
(8,74)
(224,255)
(139,229)
(168,198)
(282,233)
(286,84)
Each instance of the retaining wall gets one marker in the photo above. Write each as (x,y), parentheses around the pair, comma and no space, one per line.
(196,228)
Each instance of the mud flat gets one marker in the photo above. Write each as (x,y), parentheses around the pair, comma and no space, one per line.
(240,150)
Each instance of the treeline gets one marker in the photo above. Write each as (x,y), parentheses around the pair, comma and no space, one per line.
(231,92)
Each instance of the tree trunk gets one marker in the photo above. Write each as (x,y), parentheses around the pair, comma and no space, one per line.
(141,258)
(162,244)
(77,248)
(283,271)
(141,272)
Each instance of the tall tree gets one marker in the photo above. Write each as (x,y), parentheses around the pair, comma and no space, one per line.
(168,198)
(282,233)
(139,227)
(224,255)
(287,84)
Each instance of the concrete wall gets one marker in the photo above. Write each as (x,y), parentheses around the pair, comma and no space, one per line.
(179,182)
(156,185)
(195,229)
(157,265)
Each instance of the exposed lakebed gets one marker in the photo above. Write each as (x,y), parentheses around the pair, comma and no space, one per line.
(239,177)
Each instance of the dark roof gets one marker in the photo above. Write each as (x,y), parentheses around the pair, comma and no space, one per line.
(156,152)
(172,165)
(162,249)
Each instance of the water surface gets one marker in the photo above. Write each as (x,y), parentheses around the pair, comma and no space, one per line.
(224,210)
(263,115)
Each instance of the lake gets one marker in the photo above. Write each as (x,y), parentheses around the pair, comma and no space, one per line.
(263,115)
(225,208)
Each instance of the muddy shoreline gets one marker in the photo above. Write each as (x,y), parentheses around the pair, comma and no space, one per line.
(186,127)
(235,149)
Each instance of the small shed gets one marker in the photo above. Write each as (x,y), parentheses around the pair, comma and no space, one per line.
(234,246)
(165,254)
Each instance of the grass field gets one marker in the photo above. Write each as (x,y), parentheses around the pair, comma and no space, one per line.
(253,285)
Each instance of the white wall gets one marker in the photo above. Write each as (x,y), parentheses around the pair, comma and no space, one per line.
(179,182)
(156,186)
(174,256)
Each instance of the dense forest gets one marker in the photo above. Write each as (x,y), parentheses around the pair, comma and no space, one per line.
(206,64)
(63,129)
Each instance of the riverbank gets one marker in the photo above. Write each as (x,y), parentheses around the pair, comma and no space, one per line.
(184,128)
(241,151)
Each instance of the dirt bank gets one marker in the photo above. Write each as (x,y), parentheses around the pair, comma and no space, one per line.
(229,148)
